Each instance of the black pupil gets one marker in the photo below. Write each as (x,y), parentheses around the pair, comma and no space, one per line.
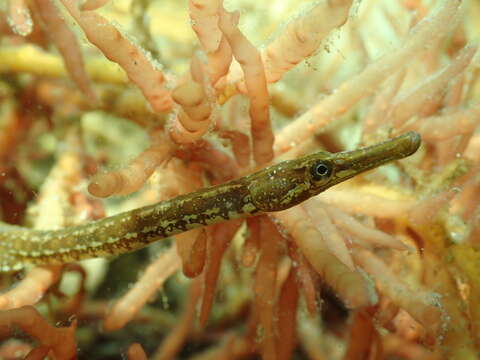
(320,170)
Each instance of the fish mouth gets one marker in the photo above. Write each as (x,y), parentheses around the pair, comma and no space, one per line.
(350,163)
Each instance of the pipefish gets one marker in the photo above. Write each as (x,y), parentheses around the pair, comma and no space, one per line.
(274,188)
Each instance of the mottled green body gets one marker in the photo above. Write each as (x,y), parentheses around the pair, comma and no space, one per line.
(272,189)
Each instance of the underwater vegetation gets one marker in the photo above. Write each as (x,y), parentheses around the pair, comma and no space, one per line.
(126,121)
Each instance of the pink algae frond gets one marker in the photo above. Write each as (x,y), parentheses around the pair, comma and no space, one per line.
(19,17)
(52,340)
(67,44)
(89,5)
(136,352)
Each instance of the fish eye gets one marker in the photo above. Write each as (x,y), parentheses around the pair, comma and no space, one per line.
(321,170)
